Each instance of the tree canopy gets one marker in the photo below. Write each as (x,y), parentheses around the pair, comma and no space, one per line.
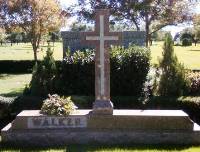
(196,21)
(36,17)
(154,14)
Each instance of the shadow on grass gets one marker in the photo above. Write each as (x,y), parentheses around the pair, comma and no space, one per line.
(4,76)
(195,50)
(97,148)
(22,49)
(12,93)
(128,148)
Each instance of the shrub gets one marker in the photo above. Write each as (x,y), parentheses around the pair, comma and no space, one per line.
(77,74)
(129,69)
(21,66)
(194,78)
(9,66)
(173,80)
(191,105)
(54,105)
(186,42)
(5,103)
(43,77)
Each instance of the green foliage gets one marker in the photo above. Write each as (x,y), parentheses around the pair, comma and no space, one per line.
(55,105)
(159,35)
(4,106)
(76,75)
(21,66)
(44,74)
(14,66)
(131,65)
(187,42)
(186,39)
(194,78)
(173,80)
(129,69)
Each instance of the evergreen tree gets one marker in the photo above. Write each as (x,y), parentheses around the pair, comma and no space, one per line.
(173,80)
(43,77)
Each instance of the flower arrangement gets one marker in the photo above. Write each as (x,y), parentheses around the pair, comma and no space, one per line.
(55,105)
(194,78)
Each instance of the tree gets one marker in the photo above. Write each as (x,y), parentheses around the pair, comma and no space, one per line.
(43,77)
(36,17)
(196,21)
(76,26)
(156,14)
(2,36)
(173,81)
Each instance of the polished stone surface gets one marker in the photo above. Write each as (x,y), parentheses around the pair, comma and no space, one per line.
(124,126)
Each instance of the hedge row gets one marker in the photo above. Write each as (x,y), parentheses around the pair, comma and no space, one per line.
(15,66)
(76,76)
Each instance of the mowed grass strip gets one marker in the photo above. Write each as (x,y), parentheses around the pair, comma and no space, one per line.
(90,148)
(24,51)
(189,56)
(13,84)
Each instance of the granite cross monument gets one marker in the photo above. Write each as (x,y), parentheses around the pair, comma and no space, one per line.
(101,38)
(102,125)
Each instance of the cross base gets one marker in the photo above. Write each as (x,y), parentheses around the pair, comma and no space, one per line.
(102,107)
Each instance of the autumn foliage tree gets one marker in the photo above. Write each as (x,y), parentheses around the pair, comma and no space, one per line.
(36,17)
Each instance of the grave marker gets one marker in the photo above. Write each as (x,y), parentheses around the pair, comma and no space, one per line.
(101,39)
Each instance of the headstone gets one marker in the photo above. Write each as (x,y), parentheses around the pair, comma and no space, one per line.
(101,39)
(72,40)
(123,127)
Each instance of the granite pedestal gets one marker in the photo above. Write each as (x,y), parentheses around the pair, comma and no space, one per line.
(123,127)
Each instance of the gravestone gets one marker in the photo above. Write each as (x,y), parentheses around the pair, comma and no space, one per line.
(101,39)
(102,124)
(72,40)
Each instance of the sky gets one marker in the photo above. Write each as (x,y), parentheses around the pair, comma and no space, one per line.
(172,29)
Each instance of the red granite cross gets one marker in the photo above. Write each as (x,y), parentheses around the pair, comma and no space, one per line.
(101,38)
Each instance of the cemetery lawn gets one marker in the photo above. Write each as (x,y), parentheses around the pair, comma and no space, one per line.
(24,51)
(90,148)
(13,84)
(190,56)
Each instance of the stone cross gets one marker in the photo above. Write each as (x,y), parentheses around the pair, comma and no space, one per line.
(101,38)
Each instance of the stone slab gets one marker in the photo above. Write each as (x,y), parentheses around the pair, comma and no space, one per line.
(32,119)
(121,119)
(124,126)
(63,137)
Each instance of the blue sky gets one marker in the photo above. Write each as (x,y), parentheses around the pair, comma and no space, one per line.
(173,29)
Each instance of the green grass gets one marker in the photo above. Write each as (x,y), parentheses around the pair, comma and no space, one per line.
(189,56)
(90,148)
(24,51)
(13,85)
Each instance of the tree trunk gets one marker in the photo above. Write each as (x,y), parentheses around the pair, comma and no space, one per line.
(35,55)
(34,50)
(147,30)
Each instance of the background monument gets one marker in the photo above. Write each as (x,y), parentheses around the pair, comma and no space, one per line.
(72,40)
